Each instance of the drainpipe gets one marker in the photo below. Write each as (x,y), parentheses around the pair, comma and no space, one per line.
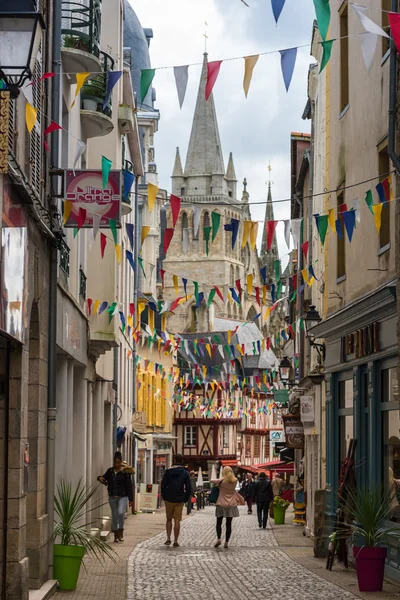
(393,99)
(52,348)
(115,405)
(6,459)
(135,297)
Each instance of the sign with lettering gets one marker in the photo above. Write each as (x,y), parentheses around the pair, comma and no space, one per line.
(363,342)
(307,409)
(148,497)
(84,189)
(294,431)
(277,436)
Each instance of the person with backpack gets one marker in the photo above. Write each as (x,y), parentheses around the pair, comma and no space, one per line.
(263,495)
(176,490)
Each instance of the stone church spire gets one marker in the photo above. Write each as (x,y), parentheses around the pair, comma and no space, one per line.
(268,258)
(178,171)
(204,156)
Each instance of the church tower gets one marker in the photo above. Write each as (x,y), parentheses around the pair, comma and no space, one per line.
(267,259)
(204,187)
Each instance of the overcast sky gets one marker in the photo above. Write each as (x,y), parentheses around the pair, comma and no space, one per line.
(257,129)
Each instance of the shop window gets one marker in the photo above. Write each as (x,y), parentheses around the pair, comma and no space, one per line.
(248,446)
(344,57)
(341,238)
(346,417)
(391,438)
(384,232)
(257,446)
(190,435)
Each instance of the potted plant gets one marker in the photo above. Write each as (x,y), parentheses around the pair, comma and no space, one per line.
(74,534)
(368,512)
(279,507)
(75,42)
(93,93)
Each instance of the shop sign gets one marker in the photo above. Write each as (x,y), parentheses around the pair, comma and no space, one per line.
(148,496)
(294,431)
(277,436)
(84,189)
(139,421)
(363,342)
(307,409)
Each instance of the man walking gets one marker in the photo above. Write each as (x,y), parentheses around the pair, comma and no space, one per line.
(248,492)
(277,485)
(263,496)
(175,491)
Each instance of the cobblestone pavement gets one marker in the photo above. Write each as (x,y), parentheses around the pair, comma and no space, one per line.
(254,567)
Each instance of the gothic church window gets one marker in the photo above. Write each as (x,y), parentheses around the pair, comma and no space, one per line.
(185,223)
(232,276)
(206,223)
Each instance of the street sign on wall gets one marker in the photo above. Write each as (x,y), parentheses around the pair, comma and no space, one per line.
(84,189)
(294,431)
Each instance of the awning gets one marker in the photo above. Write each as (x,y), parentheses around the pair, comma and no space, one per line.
(138,436)
(248,469)
(229,463)
(271,466)
(287,468)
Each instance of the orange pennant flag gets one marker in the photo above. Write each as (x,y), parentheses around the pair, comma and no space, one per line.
(118,252)
(253,235)
(30,116)
(152,191)
(249,64)
(80,80)
(67,210)
(176,285)
(250,284)
(246,232)
(145,232)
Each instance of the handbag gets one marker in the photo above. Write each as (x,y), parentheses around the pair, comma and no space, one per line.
(214,494)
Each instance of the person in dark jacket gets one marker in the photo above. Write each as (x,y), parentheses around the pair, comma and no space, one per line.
(247,492)
(193,485)
(175,490)
(119,486)
(263,495)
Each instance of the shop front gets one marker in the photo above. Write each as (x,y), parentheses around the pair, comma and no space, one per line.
(362,396)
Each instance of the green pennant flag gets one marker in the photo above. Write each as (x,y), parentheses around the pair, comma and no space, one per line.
(301,324)
(254,348)
(279,290)
(227,349)
(140,259)
(196,291)
(106,165)
(211,297)
(75,231)
(215,222)
(369,200)
(277,267)
(326,54)
(113,226)
(146,77)
(111,310)
(216,339)
(322,226)
(292,299)
(207,231)
(323,14)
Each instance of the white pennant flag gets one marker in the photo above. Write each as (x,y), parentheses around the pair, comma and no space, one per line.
(90,239)
(295,226)
(151,271)
(367,23)
(287,233)
(96,224)
(185,240)
(368,46)
(196,221)
(226,292)
(80,149)
(181,79)
(356,206)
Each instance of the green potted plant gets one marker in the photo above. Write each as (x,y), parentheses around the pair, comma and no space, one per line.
(93,93)
(75,42)
(367,528)
(280,506)
(74,534)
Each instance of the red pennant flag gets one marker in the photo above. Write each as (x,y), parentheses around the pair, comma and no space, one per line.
(213,349)
(258,295)
(218,292)
(212,74)
(232,363)
(89,306)
(81,218)
(175,303)
(343,208)
(162,273)
(304,247)
(268,343)
(103,243)
(238,286)
(291,331)
(385,185)
(52,127)
(168,235)
(175,208)
(294,281)
(394,24)
(131,309)
(270,227)
(243,349)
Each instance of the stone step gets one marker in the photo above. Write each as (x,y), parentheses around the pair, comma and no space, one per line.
(46,591)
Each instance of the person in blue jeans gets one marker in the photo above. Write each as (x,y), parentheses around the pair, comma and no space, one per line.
(119,485)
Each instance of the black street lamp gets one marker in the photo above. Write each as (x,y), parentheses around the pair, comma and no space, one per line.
(311,319)
(285,368)
(21,28)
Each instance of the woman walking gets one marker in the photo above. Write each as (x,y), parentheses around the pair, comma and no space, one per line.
(227,504)
(119,485)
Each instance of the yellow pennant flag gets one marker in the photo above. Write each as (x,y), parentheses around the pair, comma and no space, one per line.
(264,298)
(130,321)
(159,343)
(145,232)
(96,307)
(250,284)
(176,285)
(204,369)
(249,64)
(377,210)
(239,347)
(253,235)
(118,252)
(263,343)
(331,219)
(391,194)
(67,210)
(208,348)
(141,307)
(229,336)
(80,80)
(305,275)
(234,379)
(311,281)
(267,313)
(152,191)
(163,322)
(246,232)
(30,116)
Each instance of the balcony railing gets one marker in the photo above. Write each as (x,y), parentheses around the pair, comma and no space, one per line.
(82,284)
(81,26)
(94,90)
(64,258)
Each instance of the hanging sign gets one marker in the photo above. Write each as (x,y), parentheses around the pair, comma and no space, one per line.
(307,409)
(294,431)
(84,189)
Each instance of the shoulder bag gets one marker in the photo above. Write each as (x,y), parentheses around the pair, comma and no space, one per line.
(214,494)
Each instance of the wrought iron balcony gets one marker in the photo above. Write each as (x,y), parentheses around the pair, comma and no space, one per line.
(96,119)
(82,284)
(64,257)
(81,27)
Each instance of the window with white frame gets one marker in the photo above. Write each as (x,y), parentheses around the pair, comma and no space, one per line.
(225,438)
(190,435)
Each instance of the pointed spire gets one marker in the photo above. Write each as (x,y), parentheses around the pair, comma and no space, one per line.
(230,171)
(245,193)
(204,156)
(178,171)
(267,258)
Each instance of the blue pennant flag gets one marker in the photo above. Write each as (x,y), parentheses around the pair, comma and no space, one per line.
(381,192)
(200,299)
(129,233)
(263,273)
(122,317)
(235,230)
(277,7)
(339,229)
(273,292)
(112,78)
(102,307)
(129,257)
(288,62)
(129,178)
(311,271)
(349,217)
(184,281)
(234,295)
